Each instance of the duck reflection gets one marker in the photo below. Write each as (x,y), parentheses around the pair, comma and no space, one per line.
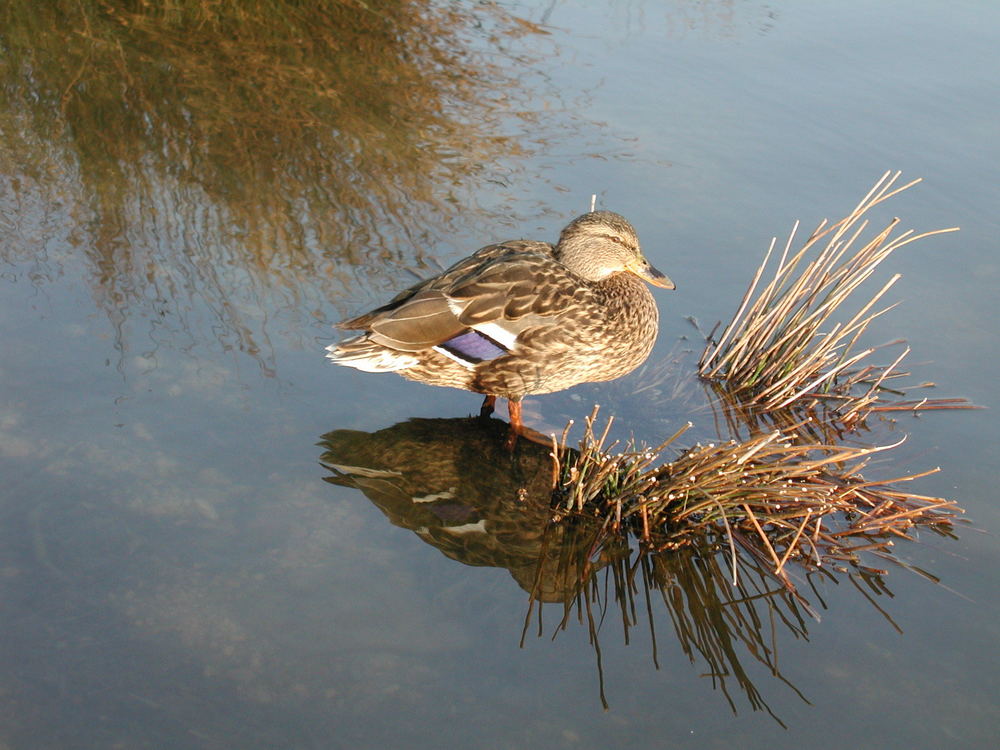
(454,484)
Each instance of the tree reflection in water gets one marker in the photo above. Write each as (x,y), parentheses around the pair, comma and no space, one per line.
(203,159)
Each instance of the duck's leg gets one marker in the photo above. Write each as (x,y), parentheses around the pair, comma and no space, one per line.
(487,408)
(514,410)
(517,427)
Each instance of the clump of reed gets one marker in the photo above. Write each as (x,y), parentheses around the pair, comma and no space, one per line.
(784,345)
(782,487)
(771,496)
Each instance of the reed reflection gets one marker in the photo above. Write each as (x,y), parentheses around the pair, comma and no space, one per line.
(454,484)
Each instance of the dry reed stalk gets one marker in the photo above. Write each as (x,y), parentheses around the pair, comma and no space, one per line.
(774,352)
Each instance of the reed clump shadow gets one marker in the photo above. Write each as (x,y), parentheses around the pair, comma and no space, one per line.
(786,485)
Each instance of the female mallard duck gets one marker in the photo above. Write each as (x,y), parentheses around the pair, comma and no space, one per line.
(519,317)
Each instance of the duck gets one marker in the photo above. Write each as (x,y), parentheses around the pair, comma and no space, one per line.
(519,318)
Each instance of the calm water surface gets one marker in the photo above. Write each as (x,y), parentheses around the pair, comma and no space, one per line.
(179,229)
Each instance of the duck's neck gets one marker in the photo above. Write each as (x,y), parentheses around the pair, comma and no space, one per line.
(627,297)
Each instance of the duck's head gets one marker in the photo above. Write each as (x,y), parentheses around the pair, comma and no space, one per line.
(600,244)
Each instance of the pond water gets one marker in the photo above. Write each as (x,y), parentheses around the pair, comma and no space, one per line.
(189,200)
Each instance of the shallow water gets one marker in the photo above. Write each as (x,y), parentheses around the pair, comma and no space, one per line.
(175,571)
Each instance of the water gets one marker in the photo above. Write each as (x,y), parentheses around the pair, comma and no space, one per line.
(174,570)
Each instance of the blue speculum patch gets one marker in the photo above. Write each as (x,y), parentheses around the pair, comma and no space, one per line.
(473,347)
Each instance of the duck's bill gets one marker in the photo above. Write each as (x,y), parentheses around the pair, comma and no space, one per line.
(653,276)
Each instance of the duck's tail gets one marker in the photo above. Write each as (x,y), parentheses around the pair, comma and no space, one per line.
(364,354)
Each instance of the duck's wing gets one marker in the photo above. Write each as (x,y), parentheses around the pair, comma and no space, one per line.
(453,276)
(497,294)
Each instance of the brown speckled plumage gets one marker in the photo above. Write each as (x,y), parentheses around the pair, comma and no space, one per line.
(520,317)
